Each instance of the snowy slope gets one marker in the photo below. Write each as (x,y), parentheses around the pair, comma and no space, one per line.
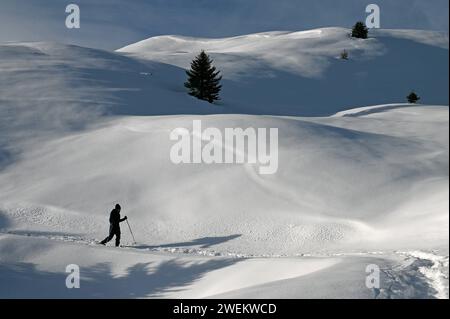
(129,273)
(34,267)
(301,73)
(79,132)
(340,185)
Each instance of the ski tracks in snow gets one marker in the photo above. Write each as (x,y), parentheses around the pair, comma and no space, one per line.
(420,275)
(433,267)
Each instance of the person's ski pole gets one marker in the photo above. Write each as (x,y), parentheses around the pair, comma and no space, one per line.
(134,240)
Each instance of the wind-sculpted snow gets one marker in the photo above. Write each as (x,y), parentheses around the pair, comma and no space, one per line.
(336,188)
(376,181)
(84,129)
(51,89)
(438,39)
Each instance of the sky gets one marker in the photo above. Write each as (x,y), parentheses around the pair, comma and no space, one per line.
(112,24)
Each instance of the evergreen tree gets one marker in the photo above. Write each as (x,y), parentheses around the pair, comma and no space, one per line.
(360,31)
(344,55)
(203,79)
(413,98)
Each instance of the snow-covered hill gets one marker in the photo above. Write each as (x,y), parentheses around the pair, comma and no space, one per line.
(301,73)
(367,184)
(82,129)
(343,183)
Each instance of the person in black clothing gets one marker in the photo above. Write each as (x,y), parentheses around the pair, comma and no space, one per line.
(114,225)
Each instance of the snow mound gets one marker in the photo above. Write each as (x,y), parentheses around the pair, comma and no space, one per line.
(357,186)
(367,110)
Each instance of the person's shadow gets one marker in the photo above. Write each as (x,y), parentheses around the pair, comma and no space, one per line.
(204,242)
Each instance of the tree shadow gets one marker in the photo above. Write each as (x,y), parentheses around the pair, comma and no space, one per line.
(6,156)
(204,242)
(142,280)
(38,233)
(4,222)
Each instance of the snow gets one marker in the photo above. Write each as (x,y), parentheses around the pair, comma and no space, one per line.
(299,66)
(35,268)
(438,39)
(283,213)
(437,273)
(83,129)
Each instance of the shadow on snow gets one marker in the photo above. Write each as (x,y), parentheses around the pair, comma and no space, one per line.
(25,280)
(204,242)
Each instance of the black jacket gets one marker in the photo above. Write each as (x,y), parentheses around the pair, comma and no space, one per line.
(114,218)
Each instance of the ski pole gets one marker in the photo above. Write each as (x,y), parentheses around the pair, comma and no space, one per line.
(134,240)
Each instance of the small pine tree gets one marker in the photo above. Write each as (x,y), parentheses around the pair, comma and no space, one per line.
(344,55)
(413,98)
(360,31)
(203,79)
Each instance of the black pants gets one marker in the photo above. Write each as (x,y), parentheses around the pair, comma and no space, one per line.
(113,230)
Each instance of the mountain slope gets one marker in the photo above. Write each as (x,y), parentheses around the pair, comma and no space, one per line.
(82,129)
(349,183)
(300,73)
(336,188)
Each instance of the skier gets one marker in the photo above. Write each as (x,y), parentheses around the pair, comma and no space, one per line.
(114,225)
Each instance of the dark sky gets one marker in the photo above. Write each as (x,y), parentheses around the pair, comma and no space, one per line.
(111,24)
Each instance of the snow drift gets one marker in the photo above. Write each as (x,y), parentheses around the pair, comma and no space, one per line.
(82,129)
